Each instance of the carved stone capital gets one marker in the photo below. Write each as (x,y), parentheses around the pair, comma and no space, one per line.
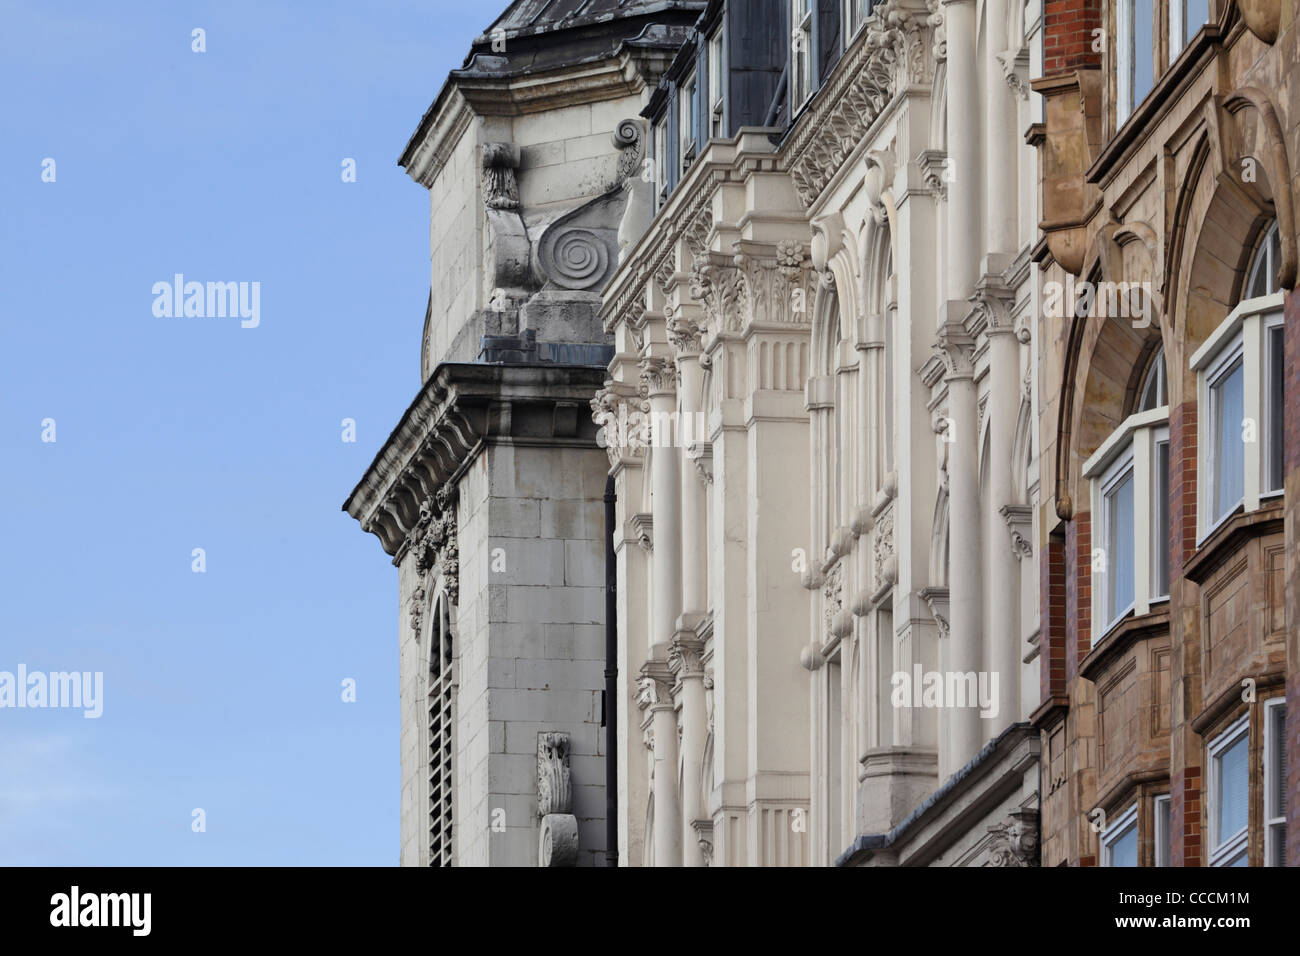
(1020,523)
(936,599)
(933,164)
(654,686)
(956,349)
(658,375)
(684,657)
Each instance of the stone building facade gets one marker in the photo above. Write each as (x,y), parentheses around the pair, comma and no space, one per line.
(1168,433)
(488,494)
(826,540)
(935,353)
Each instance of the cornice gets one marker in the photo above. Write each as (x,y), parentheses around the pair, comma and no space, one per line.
(462,407)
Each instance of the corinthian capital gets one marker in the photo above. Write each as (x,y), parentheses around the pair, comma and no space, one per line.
(684,657)
(654,686)
(956,349)
(658,375)
(685,335)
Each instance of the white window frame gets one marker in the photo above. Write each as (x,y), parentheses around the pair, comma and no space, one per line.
(1123,62)
(1179,36)
(1131,447)
(1163,837)
(1242,335)
(717,86)
(800,71)
(1225,849)
(852,17)
(686,122)
(1110,836)
(661,161)
(1274,817)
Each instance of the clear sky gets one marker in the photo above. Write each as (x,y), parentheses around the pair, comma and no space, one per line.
(222,690)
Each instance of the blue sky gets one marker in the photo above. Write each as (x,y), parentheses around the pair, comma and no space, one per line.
(222,690)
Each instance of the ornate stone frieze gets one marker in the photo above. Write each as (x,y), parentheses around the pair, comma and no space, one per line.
(898,51)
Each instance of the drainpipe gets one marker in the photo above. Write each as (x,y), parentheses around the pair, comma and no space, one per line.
(611,678)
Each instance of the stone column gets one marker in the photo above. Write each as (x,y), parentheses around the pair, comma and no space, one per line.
(965,181)
(658,377)
(1001,138)
(655,694)
(1002,644)
(684,663)
(685,336)
(684,654)
(957,351)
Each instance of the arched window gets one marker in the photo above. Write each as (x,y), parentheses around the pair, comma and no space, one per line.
(1154,391)
(441,735)
(1261,278)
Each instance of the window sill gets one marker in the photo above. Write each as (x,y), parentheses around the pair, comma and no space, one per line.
(1231,533)
(1121,636)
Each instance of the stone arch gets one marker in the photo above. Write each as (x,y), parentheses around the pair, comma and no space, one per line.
(939,541)
(1217,225)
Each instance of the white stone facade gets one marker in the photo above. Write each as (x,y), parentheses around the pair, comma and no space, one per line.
(844,302)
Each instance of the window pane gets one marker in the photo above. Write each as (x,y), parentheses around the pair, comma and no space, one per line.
(1273,460)
(1164,840)
(1197,12)
(1124,848)
(1160,516)
(1231,811)
(1143,49)
(1119,545)
(1277,754)
(1230,451)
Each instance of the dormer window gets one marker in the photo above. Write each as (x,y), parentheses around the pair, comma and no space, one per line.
(800,52)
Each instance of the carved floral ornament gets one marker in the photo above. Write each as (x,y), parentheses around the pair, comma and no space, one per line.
(434,546)
(902,44)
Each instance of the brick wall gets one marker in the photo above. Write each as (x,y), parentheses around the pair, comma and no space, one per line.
(1068,35)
